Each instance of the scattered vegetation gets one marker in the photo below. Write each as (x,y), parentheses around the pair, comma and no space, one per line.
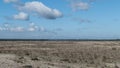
(68,54)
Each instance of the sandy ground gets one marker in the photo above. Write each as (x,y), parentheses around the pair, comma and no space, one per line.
(59,54)
(9,61)
(6,61)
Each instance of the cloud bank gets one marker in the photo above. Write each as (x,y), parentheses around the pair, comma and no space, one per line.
(32,27)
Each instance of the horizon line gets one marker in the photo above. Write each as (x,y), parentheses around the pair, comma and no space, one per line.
(59,39)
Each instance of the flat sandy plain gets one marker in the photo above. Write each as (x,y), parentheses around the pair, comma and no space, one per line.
(59,54)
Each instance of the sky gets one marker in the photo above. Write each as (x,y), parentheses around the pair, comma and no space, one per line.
(59,19)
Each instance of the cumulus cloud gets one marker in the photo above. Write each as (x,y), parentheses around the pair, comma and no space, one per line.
(12,29)
(32,24)
(3,29)
(42,10)
(36,28)
(42,29)
(0,28)
(6,25)
(8,1)
(17,29)
(21,16)
(80,4)
(33,27)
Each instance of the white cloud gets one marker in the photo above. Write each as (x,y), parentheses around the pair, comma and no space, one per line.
(12,29)
(33,27)
(8,1)
(36,28)
(41,10)
(6,25)
(80,6)
(17,29)
(32,24)
(41,29)
(21,16)
(0,28)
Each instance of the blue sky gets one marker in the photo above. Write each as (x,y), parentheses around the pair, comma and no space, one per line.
(59,19)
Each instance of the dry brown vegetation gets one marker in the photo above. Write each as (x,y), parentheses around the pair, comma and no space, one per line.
(62,54)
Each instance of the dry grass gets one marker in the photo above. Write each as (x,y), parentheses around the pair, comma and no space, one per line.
(65,54)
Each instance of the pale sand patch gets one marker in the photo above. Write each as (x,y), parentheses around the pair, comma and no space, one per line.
(7,61)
